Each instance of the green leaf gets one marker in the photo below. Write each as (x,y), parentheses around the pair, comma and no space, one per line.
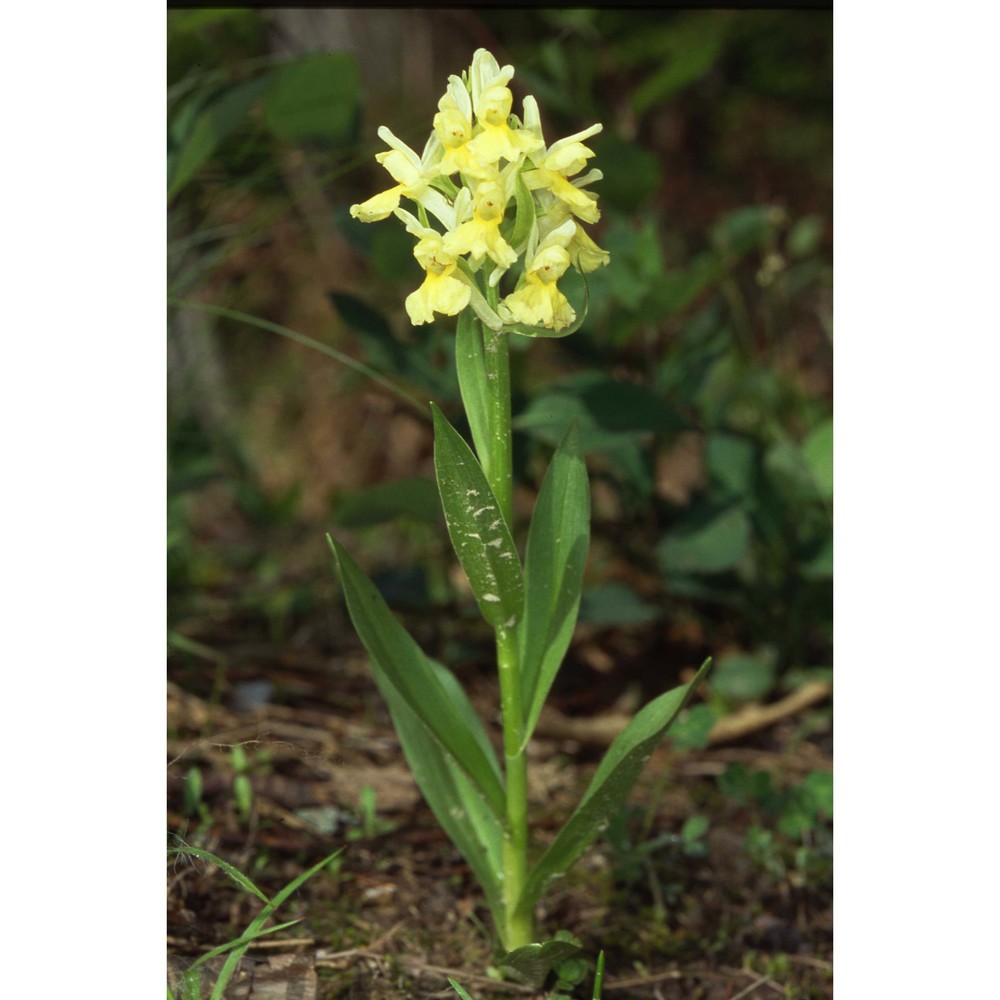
(315,97)
(257,924)
(746,229)
(415,498)
(555,558)
(610,413)
(234,873)
(478,531)
(525,217)
(730,462)
(693,730)
(745,676)
(208,128)
(690,47)
(533,962)
(717,546)
(805,236)
(817,450)
(615,603)
(803,473)
(399,661)
(453,798)
(470,360)
(678,289)
(383,350)
(631,173)
(609,787)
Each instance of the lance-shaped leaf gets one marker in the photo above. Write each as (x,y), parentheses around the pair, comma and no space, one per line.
(553,573)
(470,360)
(609,787)
(453,798)
(397,659)
(478,531)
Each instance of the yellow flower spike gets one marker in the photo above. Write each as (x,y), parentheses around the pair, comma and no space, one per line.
(480,236)
(474,136)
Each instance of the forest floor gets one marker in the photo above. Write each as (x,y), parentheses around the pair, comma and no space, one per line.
(281,755)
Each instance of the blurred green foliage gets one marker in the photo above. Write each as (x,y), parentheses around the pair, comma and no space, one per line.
(792,833)
(712,326)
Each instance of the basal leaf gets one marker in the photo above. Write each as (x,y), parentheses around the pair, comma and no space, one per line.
(397,660)
(532,963)
(609,787)
(453,798)
(555,558)
(478,531)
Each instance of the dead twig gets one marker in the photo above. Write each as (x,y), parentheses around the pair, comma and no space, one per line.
(602,730)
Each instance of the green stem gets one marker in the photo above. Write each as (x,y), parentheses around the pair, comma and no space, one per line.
(518,929)
(519,923)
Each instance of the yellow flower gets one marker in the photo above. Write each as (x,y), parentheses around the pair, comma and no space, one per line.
(586,254)
(538,302)
(413,175)
(441,291)
(492,102)
(454,129)
(498,140)
(555,165)
(583,204)
(480,236)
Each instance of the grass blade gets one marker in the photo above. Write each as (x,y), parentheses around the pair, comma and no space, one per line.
(599,978)
(301,338)
(234,873)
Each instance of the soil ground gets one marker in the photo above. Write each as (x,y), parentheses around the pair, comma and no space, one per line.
(398,912)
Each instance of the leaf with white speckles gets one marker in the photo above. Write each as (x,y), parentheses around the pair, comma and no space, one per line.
(479,533)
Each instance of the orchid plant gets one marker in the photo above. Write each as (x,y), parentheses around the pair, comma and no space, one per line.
(498,221)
